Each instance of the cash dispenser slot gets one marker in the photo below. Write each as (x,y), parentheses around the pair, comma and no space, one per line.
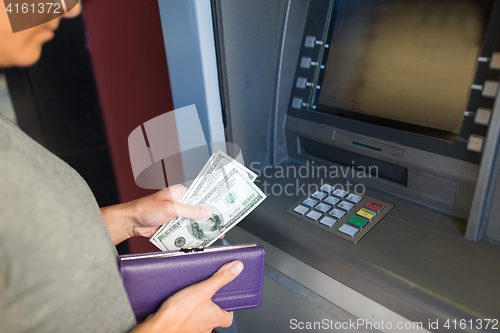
(375,168)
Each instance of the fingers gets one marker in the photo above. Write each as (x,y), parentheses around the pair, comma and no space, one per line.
(226,319)
(174,192)
(192,212)
(223,276)
(192,310)
(178,191)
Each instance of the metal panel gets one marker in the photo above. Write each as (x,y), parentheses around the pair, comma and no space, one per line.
(188,34)
(317,296)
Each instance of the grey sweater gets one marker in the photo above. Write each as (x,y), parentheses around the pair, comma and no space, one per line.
(58,270)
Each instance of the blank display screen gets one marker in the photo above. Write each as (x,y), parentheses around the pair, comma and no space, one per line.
(412,61)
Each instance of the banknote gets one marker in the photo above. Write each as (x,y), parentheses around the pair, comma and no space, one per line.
(213,171)
(231,198)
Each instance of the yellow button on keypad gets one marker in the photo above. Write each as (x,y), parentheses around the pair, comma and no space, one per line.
(367,214)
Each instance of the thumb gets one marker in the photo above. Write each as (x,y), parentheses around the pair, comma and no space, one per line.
(223,276)
(192,212)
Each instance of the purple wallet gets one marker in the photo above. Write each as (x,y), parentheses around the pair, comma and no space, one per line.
(150,278)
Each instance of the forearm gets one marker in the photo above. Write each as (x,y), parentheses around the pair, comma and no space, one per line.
(120,221)
(143,217)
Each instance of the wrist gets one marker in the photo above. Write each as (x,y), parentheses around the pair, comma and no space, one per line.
(120,220)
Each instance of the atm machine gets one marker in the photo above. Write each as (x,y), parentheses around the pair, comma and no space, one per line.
(375,130)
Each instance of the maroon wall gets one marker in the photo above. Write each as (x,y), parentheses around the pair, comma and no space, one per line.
(126,45)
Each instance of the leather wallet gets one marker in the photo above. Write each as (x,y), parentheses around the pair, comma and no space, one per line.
(150,278)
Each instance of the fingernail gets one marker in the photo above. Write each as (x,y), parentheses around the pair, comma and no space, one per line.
(236,268)
(205,211)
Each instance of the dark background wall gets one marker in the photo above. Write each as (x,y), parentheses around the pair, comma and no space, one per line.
(128,55)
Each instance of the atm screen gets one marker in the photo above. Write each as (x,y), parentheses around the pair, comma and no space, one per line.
(407,64)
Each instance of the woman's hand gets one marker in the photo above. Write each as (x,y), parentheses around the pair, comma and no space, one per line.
(143,217)
(191,309)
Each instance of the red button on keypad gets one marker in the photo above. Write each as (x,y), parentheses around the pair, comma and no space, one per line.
(374,205)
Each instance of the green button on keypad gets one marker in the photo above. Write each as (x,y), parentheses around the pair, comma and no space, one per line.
(360,223)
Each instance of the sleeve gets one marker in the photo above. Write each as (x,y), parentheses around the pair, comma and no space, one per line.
(4,274)
(4,281)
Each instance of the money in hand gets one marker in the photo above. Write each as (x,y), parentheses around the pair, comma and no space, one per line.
(224,186)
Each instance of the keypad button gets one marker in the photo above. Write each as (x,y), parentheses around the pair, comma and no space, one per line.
(367,214)
(327,188)
(360,223)
(328,221)
(340,212)
(337,213)
(314,215)
(374,205)
(346,205)
(318,195)
(323,208)
(354,198)
(332,200)
(310,202)
(348,230)
(340,193)
(301,209)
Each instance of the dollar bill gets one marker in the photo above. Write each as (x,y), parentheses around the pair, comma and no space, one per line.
(232,197)
(213,171)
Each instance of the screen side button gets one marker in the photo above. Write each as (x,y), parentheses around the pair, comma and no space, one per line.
(495,61)
(301,82)
(297,103)
(475,143)
(483,116)
(310,41)
(490,89)
(305,62)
